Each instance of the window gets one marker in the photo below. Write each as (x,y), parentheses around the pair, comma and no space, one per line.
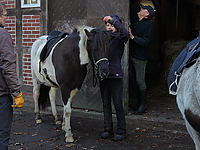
(30,3)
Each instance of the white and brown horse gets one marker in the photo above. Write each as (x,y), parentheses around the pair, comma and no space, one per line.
(188,100)
(66,68)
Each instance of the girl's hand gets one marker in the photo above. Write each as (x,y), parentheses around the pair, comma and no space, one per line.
(107,18)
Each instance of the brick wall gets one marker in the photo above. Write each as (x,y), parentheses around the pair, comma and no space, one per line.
(30,32)
(30,29)
(9,3)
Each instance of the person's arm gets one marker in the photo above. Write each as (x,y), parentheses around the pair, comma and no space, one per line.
(8,64)
(8,67)
(119,26)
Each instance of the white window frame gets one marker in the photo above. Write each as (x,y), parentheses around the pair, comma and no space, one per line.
(29,5)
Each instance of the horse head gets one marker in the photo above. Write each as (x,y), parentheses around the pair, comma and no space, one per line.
(98,45)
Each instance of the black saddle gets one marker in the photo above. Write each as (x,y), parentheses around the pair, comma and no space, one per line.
(52,39)
(184,60)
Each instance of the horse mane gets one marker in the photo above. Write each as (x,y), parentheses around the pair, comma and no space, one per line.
(102,37)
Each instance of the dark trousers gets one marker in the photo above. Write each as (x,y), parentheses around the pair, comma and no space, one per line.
(6,115)
(113,88)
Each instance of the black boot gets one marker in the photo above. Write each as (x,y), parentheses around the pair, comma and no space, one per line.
(143,99)
(108,132)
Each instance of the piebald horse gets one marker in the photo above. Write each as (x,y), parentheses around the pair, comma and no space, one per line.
(66,68)
(188,100)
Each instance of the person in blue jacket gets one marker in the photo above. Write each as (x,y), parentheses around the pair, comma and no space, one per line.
(141,32)
(112,86)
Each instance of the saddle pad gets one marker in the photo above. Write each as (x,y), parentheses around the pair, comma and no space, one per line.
(53,38)
(178,62)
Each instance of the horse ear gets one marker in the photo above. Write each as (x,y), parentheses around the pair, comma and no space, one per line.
(89,34)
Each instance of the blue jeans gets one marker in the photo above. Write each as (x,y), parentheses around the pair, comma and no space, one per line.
(140,68)
(6,115)
(113,88)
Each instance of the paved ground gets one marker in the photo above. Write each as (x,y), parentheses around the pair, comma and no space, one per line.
(162,127)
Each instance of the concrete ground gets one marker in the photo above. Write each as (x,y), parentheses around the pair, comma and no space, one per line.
(162,127)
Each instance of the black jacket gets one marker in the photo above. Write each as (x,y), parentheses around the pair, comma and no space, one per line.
(142,31)
(117,44)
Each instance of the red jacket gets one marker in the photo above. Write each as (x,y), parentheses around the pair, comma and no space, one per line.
(8,76)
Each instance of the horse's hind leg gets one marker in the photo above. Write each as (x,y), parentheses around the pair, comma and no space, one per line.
(194,134)
(52,94)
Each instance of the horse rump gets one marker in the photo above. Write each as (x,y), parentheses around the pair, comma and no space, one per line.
(44,96)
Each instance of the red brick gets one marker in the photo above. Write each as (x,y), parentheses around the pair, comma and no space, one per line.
(27,32)
(12,17)
(30,44)
(37,28)
(31,20)
(31,36)
(35,24)
(27,40)
(24,21)
(35,17)
(25,36)
(35,32)
(27,71)
(25,44)
(27,24)
(26,17)
(31,28)
(27,63)
(29,56)
(8,21)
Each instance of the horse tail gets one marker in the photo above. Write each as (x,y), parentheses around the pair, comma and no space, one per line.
(44,96)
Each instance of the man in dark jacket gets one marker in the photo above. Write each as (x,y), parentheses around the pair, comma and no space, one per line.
(112,86)
(9,86)
(141,31)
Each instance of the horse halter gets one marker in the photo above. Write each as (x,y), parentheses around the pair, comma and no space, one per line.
(102,59)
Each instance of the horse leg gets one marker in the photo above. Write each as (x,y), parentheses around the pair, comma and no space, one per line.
(36,93)
(194,134)
(66,117)
(52,94)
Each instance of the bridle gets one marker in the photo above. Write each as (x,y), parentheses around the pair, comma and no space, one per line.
(96,63)
(95,68)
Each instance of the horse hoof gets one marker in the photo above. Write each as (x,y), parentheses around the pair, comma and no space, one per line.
(63,128)
(58,122)
(70,139)
(38,121)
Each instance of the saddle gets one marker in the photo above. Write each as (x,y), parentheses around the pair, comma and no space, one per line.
(52,39)
(184,60)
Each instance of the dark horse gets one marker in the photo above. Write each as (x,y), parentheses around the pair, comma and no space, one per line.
(66,68)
